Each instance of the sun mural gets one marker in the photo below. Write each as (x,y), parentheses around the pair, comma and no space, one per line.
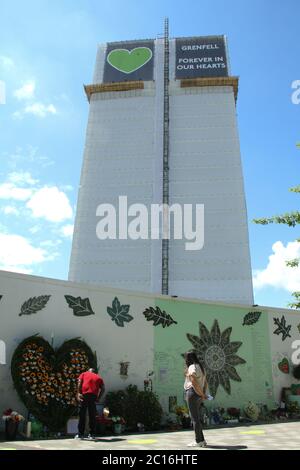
(218,355)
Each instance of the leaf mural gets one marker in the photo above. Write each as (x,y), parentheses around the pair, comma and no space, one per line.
(81,307)
(119,313)
(251,318)
(34,305)
(158,317)
(282,328)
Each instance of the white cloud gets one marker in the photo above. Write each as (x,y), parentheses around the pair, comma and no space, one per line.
(40,110)
(67,230)
(51,243)
(13,187)
(47,202)
(11,210)
(21,177)
(37,109)
(6,62)
(23,157)
(50,203)
(18,254)
(35,229)
(67,187)
(26,92)
(11,191)
(277,274)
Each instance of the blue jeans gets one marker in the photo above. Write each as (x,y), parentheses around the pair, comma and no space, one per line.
(194,404)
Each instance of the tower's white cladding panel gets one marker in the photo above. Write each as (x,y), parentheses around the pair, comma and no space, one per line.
(205,168)
(122,158)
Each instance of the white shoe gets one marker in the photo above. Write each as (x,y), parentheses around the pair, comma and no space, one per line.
(202,444)
(197,444)
(78,436)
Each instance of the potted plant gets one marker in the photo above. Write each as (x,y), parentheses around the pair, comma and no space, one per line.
(12,420)
(118,423)
(136,406)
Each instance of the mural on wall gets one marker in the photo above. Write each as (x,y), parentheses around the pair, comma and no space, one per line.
(218,355)
(251,318)
(284,366)
(81,307)
(34,305)
(46,379)
(282,328)
(119,313)
(158,317)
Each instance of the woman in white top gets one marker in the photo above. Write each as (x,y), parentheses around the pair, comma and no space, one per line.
(195,387)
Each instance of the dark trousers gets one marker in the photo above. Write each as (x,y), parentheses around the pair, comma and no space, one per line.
(194,404)
(88,403)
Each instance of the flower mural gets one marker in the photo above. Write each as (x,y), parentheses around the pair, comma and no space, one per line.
(218,354)
(46,379)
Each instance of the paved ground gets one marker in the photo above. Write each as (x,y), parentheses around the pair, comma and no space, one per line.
(272,436)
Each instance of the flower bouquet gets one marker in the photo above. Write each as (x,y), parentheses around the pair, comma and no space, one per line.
(183,415)
(12,420)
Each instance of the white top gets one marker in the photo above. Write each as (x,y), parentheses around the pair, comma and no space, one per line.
(196,371)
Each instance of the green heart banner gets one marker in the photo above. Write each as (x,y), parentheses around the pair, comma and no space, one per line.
(131,60)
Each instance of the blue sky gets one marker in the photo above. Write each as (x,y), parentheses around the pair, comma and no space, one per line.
(47,52)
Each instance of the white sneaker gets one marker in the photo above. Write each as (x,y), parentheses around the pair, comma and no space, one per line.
(78,436)
(197,444)
(202,444)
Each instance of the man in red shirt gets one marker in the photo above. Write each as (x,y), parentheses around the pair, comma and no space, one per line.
(90,389)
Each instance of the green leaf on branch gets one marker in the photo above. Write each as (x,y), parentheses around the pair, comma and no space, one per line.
(296,304)
(290,218)
(295,190)
(293,263)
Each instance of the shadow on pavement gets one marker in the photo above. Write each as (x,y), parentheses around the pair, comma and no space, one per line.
(227,447)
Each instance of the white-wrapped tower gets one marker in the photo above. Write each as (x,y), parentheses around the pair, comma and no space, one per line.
(154,140)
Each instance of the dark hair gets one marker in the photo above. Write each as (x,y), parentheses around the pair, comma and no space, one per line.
(191,357)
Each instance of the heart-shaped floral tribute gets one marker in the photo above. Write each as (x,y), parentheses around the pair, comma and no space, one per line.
(46,379)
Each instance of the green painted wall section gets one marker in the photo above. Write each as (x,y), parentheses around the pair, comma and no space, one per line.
(169,343)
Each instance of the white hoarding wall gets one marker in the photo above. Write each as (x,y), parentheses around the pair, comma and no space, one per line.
(132,343)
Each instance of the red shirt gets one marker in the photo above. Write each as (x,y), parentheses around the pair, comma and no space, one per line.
(91,383)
